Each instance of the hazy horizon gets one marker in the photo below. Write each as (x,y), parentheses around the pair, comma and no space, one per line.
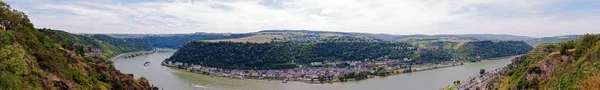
(329,31)
(534,18)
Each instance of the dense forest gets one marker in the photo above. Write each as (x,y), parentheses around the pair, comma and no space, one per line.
(492,49)
(571,65)
(177,40)
(34,60)
(279,55)
(289,54)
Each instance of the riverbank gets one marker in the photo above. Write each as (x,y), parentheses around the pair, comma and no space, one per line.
(418,68)
(115,57)
(306,78)
(172,79)
(320,75)
(479,80)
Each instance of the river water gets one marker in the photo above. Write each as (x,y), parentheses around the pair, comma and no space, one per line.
(170,79)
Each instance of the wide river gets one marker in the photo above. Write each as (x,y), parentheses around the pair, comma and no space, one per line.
(170,79)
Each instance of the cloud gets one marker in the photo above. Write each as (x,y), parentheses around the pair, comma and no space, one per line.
(521,17)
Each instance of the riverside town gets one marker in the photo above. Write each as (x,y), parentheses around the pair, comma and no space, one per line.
(320,72)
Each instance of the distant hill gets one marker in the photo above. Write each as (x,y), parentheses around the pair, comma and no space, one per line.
(177,40)
(496,37)
(124,35)
(385,37)
(481,37)
(538,41)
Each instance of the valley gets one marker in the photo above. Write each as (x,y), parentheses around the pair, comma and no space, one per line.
(180,79)
(298,45)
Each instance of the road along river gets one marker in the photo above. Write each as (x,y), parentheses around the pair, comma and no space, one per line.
(171,79)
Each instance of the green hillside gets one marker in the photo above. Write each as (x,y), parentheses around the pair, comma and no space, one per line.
(492,49)
(283,55)
(289,54)
(32,59)
(571,65)
(567,65)
(110,46)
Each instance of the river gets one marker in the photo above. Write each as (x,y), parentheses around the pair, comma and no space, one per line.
(170,79)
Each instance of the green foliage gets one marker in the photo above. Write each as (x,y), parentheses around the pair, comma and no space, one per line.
(433,56)
(12,60)
(342,78)
(12,67)
(380,71)
(482,71)
(5,38)
(9,81)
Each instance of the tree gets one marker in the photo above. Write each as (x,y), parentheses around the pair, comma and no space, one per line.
(342,78)
(482,71)
(321,78)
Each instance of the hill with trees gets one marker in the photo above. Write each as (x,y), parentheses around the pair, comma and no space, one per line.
(84,43)
(32,59)
(283,55)
(290,54)
(177,40)
(492,49)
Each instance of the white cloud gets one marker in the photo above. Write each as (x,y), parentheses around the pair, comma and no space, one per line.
(522,17)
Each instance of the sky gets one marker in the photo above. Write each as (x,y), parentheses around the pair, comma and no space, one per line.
(536,18)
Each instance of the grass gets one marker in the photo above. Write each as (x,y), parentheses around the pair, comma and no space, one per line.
(592,83)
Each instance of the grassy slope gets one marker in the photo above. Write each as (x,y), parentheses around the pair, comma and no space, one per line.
(566,65)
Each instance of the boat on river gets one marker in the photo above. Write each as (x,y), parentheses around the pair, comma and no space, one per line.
(195,86)
(285,80)
(146,63)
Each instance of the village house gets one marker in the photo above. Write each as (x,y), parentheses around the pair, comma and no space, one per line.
(316,63)
(96,53)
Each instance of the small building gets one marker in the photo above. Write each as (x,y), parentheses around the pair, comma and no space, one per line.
(316,63)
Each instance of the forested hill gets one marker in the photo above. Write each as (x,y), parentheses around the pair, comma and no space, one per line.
(280,55)
(571,65)
(492,49)
(109,45)
(48,60)
(177,40)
